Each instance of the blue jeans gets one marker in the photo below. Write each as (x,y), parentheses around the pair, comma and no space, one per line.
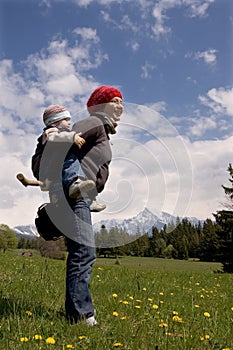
(71,170)
(81,256)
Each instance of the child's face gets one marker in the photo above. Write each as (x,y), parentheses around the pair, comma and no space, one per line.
(64,123)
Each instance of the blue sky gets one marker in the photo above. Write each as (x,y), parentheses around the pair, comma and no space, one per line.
(172,60)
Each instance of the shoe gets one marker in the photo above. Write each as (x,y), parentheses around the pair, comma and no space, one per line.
(80,187)
(91,321)
(96,207)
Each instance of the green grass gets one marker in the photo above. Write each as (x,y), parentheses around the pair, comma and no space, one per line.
(141,303)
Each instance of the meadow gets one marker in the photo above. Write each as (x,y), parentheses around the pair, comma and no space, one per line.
(141,304)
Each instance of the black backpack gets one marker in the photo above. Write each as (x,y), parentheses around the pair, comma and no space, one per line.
(45,227)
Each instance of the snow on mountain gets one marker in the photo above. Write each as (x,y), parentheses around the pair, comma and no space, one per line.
(143,222)
(27,231)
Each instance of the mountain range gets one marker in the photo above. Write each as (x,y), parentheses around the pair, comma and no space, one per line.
(142,222)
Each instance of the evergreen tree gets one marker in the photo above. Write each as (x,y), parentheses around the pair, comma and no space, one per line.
(224,219)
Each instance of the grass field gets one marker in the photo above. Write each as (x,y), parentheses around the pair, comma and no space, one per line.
(141,303)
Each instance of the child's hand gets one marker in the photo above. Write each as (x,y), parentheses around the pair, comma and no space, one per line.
(79,141)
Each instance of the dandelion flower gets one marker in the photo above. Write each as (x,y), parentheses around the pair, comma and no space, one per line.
(206,314)
(232,308)
(174,312)
(177,319)
(117,344)
(50,340)
(150,299)
(125,302)
(161,293)
(144,289)
(81,337)
(37,337)
(163,324)
(123,318)
(24,339)
(69,346)
(131,297)
(196,306)
(137,307)
(114,295)
(115,313)
(155,306)
(29,313)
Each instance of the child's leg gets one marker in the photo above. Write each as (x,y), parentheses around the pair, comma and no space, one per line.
(72,170)
(74,179)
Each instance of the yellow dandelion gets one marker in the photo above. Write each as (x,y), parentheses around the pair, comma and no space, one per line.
(24,339)
(163,324)
(150,300)
(137,307)
(144,289)
(155,306)
(138,301)
(125,302)
(206,314)
(226,349)
(29,313)
(131,297)
(177,319)
(171,294)
(196,306)
(81,337)
(161,293)
(117,344)
(123,318)
(161,301)
(174,312)
(115,313)
(50,340)
(37,337)
(202,296)
(207,337)
(202,338)
(232,308)
(197,284)
(114,295)
(69,346)
(100,268)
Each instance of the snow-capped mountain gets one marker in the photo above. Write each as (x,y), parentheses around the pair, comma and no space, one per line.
(143,222)
(27,231)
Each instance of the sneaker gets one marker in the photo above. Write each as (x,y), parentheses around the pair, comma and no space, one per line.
(80,187)
(96,207)
(91,321)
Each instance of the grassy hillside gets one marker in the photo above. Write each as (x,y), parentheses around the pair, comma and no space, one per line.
(141,303)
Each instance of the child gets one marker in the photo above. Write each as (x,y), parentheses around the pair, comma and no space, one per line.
(58,138)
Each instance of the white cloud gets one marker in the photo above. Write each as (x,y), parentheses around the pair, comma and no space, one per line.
(202,125)
(209,56)
(147,68)
(219,100)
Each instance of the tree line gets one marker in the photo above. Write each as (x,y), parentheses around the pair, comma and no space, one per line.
(210,241)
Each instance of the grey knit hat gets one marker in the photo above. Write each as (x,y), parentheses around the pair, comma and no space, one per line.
(55,113)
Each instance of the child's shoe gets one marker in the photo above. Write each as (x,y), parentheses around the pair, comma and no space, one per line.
(96,207)
(79,188)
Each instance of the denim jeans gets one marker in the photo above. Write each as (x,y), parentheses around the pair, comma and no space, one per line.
(81,256)
(71,170)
